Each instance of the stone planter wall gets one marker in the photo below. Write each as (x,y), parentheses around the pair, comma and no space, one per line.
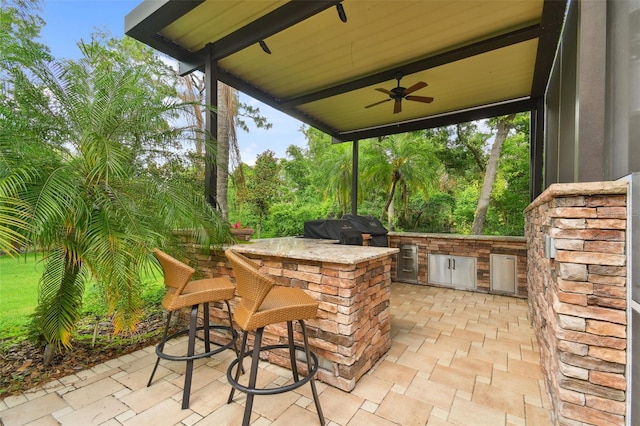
(577,300)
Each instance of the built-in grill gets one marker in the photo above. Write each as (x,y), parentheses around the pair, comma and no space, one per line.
(333,229)
(351,229)
(370,226)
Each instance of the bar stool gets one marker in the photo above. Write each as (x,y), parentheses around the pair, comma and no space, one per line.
(182,292)
(262,304)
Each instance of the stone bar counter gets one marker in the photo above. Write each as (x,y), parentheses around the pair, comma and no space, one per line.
(352,284)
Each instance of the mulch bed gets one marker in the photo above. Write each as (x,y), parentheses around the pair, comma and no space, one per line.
(22,366)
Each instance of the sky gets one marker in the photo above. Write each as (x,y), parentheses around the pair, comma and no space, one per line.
(68,21)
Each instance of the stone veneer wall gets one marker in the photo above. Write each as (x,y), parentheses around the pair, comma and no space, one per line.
(478,246)
(578,300)
(353,328)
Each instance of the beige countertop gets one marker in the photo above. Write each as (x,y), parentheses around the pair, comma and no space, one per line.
(456,236)
(313,249)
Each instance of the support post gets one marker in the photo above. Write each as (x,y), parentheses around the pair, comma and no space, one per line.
(354,179)
(536,136)
(211,127)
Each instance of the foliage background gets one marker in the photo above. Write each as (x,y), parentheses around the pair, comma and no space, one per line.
(89,145)
(440,175)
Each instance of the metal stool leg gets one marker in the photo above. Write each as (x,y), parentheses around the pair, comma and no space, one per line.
(234,337)
(193,324)
(292,351)
(255,358)
(161,347)
(205,327)
(316,399)
(240,365)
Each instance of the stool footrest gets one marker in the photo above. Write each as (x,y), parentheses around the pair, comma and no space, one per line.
(279,389)
(217,350)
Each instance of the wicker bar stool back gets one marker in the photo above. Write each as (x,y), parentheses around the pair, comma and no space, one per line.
(262,303)
(183,292)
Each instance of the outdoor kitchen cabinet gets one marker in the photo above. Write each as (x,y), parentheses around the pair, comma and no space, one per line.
(407,270)
(453,271)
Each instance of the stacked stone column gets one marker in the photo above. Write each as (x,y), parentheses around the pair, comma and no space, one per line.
(577,299)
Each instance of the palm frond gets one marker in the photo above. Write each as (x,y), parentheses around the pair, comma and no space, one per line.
(60,297)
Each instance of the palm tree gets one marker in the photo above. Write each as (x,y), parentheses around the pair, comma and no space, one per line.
(13,211)
(227,143)
(20,28)
(404,161)
(334,168)
(94,208)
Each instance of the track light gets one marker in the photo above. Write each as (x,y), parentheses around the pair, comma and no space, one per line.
(341,12)
(264,47)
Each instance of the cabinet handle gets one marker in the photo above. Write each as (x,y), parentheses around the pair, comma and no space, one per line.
(449,263)
(454,264)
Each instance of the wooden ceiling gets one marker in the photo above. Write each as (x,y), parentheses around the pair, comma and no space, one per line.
(479,58)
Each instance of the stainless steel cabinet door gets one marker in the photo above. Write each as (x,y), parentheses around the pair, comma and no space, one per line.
(439,272)
(463,272)
(452,271)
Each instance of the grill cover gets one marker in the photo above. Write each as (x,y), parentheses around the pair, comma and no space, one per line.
(369,225)
(341,230)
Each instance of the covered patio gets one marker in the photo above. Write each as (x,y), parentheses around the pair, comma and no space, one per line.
(457,358)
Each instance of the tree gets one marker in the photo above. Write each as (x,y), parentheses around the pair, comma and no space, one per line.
(20,26)
(503,127)
(404,161)
(331,175)
(227,141)
(263,186)
(297,170)
(231,114)
(510,195)
(94,208)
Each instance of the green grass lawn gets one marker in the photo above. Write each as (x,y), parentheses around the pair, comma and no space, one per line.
(19,278)
(18,292)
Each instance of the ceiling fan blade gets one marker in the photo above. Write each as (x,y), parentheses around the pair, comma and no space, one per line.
(377,103)
(397,106)
(385,91)
(425,99)
(417,86)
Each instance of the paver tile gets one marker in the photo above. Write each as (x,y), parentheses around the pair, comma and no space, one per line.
(524,368)
(168,412)
(537,416)
(453,378)
(502,399)
(456,358)
(211,397)
(404,410)
(394,373)
(146,397)
(295,415)
(272,406)
(339,406)
(372,388)
(516,382)
(225,415)
(92,393)
(32,410)
(418,361)
(468,413)
(471,365)
(95,413)
(364,418)
(431,392)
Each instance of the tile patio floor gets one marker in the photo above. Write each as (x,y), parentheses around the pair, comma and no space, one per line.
(457,358)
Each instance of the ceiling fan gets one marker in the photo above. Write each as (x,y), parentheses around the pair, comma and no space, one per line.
(398,93)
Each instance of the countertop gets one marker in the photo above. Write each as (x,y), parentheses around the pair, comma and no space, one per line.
(313,249)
